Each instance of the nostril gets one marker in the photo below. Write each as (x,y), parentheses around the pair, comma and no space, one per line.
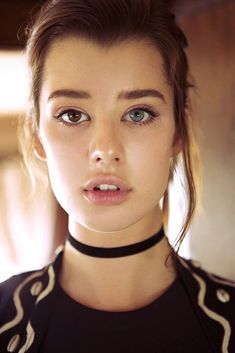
(98,159)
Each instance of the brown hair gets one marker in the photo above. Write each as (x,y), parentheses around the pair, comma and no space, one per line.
(107,22)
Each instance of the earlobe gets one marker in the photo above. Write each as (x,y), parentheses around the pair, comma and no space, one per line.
(38,148)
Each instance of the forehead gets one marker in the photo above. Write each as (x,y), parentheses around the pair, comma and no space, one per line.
(72,62)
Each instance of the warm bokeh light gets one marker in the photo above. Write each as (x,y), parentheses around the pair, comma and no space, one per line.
(13,82)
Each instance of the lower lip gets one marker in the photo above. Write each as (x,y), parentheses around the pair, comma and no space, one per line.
(110,197)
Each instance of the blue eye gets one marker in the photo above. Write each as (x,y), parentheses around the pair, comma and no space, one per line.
(142,115)
(137,115)
(71,116)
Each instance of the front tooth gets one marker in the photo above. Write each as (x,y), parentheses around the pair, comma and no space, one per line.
(106,187)
(113,187)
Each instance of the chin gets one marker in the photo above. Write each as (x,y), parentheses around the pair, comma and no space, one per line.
(107,227)
(105,224)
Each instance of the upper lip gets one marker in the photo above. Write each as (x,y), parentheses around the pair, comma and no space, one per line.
(106,179)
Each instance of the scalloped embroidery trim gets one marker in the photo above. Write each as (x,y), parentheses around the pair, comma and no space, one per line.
(17,303)
(212,314)
(30,338)
(226,282)
(47,290)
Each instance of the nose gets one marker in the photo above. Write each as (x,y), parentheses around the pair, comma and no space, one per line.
(106,148)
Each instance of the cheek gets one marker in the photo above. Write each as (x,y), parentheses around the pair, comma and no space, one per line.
(63,157)
(153,154)
(151,165)
(61,144)
(64,166)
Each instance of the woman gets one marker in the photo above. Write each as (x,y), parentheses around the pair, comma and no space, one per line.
(109,117)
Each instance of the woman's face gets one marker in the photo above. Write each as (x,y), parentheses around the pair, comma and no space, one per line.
(106,111)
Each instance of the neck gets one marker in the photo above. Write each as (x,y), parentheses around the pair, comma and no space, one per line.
(117,284)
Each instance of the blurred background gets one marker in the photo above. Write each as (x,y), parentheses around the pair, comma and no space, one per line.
(32,227)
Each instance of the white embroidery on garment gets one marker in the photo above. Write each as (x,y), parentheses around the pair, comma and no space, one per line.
(47,290)
(221,280)
(50,286)
(213,315)
(29,340)
(17,303)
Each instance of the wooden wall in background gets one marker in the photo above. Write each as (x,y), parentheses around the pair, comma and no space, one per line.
(211,34)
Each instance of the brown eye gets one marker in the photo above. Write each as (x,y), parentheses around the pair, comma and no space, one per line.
(71,116)
(74,116)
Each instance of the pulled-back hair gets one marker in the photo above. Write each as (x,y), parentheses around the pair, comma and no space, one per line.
(108,22)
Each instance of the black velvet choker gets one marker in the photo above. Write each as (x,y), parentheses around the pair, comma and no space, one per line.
(119,251)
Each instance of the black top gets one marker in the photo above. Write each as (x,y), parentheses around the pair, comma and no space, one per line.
(197,311)
(167,325)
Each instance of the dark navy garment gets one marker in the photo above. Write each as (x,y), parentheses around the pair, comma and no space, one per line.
(196,314)
(168,325)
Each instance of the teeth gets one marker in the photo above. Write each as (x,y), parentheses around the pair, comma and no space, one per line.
(105,187)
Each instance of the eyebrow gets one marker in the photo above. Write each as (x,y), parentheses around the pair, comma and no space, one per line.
(125,94)
(141,93)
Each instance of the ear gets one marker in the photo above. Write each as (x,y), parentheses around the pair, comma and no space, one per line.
(38,148)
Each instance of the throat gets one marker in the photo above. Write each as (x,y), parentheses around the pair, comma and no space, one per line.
(120,284)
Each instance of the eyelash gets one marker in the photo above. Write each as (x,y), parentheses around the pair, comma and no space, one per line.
(152,113)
